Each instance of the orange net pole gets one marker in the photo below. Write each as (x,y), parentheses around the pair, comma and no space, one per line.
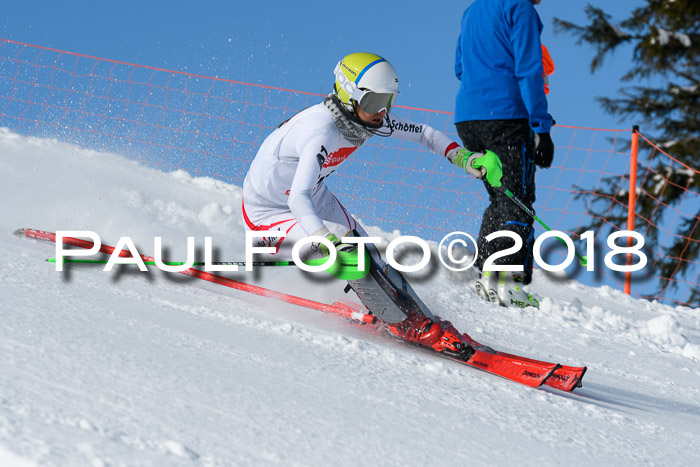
(632,201)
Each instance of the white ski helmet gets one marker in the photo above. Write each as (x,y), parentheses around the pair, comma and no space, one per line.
(368,80)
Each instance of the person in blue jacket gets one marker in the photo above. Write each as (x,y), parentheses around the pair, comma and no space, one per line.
(501,105)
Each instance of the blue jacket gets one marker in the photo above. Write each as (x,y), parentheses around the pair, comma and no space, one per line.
(499,64)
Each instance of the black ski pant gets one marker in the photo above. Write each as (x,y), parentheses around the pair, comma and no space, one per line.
(512,141)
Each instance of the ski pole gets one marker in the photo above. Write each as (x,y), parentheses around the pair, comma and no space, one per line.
(311,262)
(583,260)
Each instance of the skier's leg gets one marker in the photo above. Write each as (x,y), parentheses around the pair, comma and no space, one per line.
(384,291)
(391,298)
(395,277)
(334,216)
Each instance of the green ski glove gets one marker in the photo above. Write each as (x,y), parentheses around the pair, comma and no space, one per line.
(346,266)
(489,162)
(479,165)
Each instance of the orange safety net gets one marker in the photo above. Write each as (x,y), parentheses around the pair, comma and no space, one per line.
(213,127)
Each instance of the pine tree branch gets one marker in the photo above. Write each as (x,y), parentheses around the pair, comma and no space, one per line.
(666,39)
(600,33)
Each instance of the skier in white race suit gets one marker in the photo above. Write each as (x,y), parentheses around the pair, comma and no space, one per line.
(284,189)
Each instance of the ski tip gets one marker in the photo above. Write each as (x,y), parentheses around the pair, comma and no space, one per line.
(575,382)
(584,261)
(19,232)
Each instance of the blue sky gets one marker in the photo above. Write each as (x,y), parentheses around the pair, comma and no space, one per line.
(295,45)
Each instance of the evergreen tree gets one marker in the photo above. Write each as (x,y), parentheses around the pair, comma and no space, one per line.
(666,39)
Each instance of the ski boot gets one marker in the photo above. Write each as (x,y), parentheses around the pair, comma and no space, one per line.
(505,288)
(421,330)
(510,291)
(486,286)
(465,338)
(387,294)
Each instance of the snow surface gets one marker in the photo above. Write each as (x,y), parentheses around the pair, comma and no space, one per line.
(131,368)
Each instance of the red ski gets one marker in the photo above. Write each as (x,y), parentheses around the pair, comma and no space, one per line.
(343,311)
(529,372)
(564,378)
(518,369)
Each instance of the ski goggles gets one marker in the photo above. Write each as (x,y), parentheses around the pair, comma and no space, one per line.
(374,102)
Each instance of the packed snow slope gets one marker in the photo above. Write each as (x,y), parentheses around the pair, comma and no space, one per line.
(132,368)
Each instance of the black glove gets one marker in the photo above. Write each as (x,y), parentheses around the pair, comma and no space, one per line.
(544,150)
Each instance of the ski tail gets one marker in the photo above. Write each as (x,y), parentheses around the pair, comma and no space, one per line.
(336,308)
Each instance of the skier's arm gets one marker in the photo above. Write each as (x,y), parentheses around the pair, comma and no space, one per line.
(435,140)
(311,157)
(474,163)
